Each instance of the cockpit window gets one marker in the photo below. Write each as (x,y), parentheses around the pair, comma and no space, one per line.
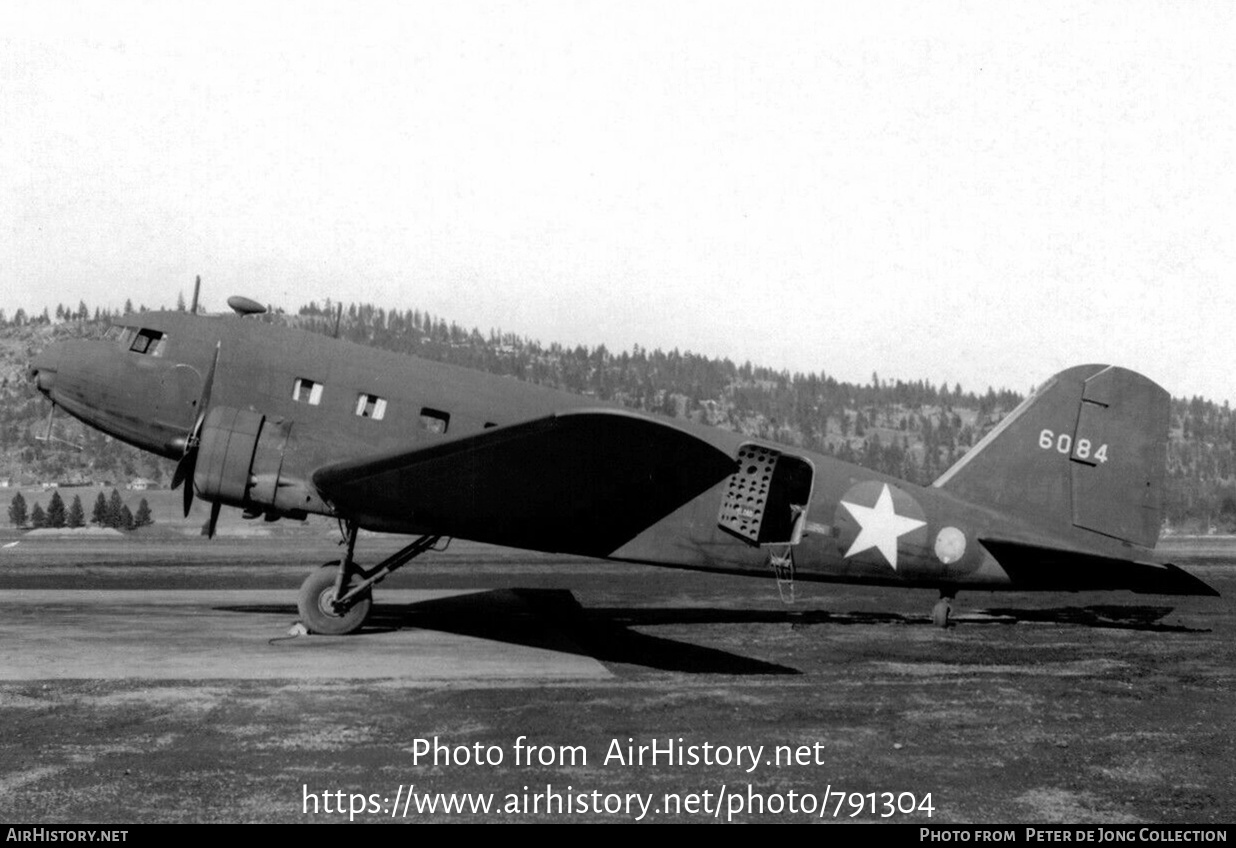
(149,342)
(122,336)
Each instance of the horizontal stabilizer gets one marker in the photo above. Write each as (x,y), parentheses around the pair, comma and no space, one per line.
(1034,567)
(581,482)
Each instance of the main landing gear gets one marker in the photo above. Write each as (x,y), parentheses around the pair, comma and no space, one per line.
(335,600)
(943,609)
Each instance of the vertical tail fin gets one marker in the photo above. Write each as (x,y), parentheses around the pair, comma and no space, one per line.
(1087,450)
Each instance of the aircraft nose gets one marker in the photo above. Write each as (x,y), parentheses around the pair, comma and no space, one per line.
(44,367)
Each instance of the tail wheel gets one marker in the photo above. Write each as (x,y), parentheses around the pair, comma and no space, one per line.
(941,611)
(318,610)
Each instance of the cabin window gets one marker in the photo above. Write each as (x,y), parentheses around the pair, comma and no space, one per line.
(371,406)
(307,391)
(149,342)
(434,420)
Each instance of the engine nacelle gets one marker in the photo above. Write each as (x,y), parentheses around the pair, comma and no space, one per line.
(240,463)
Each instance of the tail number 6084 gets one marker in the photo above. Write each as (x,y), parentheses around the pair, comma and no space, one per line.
(1063,443)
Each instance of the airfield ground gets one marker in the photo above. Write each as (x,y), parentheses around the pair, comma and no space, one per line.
(151,680)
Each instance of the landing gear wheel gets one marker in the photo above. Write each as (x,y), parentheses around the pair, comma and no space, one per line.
(319,613)
(941,611)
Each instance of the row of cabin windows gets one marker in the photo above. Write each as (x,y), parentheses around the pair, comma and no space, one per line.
(150,342)
(369,406)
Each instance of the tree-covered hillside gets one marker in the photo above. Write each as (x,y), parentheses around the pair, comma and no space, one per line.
(912,429)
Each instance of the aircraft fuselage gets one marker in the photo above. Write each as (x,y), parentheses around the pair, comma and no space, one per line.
(304,401)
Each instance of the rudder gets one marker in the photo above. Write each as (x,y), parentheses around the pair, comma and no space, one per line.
(1087,450)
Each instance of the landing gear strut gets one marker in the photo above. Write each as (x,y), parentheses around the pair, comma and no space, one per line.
(335,600)
(943,609)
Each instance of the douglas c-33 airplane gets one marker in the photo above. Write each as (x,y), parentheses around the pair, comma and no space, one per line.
(1064,494)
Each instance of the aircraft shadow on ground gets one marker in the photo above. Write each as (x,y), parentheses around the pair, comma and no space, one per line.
(1110,616)
(1103,616)
(553,620)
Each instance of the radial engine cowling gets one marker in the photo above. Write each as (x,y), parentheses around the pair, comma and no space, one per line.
(240,463)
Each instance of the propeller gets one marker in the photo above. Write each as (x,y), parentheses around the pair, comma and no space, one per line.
(214,519)
(188,461)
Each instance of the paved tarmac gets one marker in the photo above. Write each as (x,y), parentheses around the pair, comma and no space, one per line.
(157,634)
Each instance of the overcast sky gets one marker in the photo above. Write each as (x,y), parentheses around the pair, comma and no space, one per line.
(982,193)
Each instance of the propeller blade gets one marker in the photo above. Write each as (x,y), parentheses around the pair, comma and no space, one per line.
(184,466)
(209,383)
(214,519)
(188,462)
(188,494)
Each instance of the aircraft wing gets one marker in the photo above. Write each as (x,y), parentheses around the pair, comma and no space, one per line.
(1035,567)
(579,481)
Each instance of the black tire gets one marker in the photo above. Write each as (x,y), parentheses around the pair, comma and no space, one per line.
(317,612)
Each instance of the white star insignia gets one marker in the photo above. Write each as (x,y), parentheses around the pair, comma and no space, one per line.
(881,526)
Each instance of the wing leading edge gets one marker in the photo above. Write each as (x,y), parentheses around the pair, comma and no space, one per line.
(579,481)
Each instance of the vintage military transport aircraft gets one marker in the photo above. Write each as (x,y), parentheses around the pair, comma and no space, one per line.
(1065,494)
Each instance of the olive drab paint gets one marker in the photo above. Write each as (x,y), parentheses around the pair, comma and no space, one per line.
(1066,493)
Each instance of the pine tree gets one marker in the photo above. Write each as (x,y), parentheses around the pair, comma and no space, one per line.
(17,511)
(143,517)
(126,519)
(99,516)
(114,506)
(55,511)
(37,517)
(77,515)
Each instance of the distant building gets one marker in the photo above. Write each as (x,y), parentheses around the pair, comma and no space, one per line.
(139,484)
